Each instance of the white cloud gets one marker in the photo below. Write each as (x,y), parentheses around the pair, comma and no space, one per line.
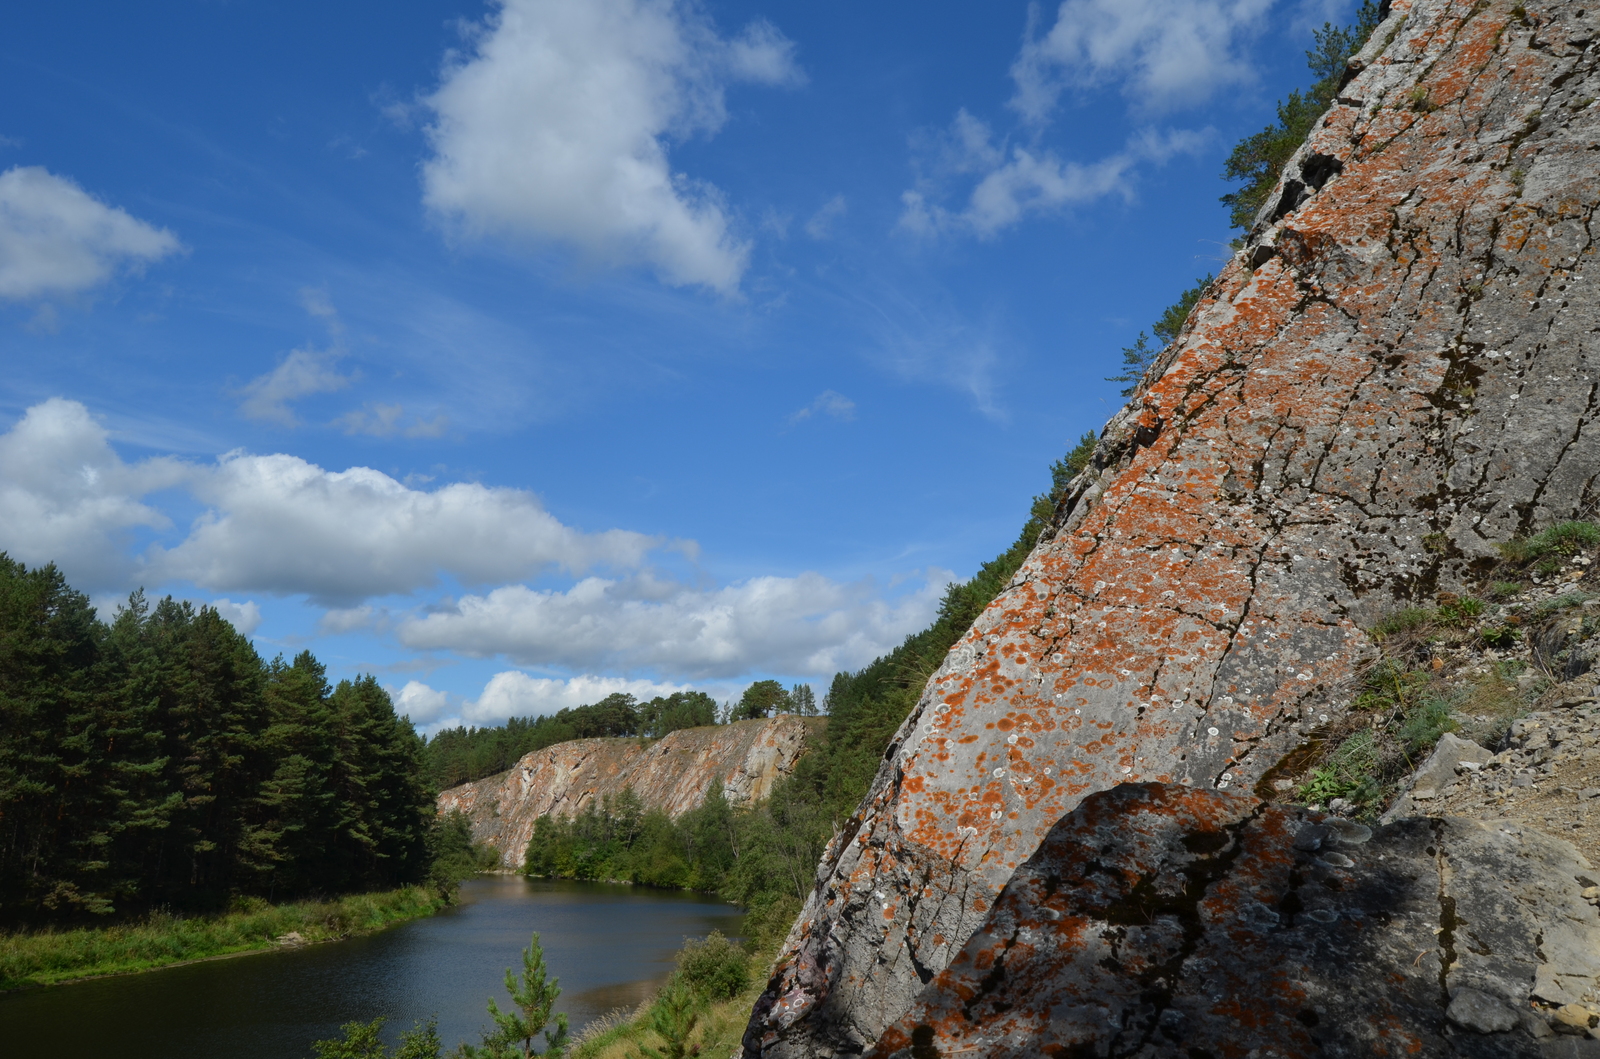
(279,524)
(1028,180)
(421,703)
(246,616)
(302,373)
(555,128)
(828,403)
(516,694)
(67,498)
(57,239)
(799,625)
(1164,54)
(820,226)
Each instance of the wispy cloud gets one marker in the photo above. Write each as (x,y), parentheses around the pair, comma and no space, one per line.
(820,226)
(828,403)
(303,373)
(388,420)
(1013,183)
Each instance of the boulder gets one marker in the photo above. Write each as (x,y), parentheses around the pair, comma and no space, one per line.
(1160,920)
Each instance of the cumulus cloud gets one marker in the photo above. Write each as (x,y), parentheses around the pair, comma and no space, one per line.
(554,126)
(1026,180)
(516,694)
(828,403)
(246,616)
(273,523)
(66,497)
(1164,54)
(279,524)
(57,239)
(808,624)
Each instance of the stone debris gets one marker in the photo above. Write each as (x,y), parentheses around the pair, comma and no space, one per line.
(1158,920)
(1396,372)
(672,774)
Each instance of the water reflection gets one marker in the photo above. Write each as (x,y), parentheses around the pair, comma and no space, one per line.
(609,945)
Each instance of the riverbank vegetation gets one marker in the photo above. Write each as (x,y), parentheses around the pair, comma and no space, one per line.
(162,939)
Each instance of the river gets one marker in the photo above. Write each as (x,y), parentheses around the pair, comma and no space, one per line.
(609,945)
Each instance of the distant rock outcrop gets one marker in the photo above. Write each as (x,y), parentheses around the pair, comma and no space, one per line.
(671,774)
(1158,920)
(1398,369)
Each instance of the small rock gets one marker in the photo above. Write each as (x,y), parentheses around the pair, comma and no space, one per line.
(1522,779)
(1576,1015)
(294,937)
(1480,1012)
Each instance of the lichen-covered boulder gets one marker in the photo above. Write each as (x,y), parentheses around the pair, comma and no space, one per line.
(1399,369)
(1158,920)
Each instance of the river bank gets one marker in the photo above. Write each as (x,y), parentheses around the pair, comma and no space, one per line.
(51,957)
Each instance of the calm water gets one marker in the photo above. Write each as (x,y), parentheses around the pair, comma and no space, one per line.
(609,945)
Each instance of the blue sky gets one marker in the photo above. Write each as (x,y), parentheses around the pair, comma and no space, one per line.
(523,352)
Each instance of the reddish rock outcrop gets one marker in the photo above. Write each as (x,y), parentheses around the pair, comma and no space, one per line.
(1159,920)
(1396,371)
(672,774)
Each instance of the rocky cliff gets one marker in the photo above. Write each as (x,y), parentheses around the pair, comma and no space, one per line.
(671,774)
(1395,372)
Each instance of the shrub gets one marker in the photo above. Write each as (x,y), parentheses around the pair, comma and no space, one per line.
(715,968)
(1424,723)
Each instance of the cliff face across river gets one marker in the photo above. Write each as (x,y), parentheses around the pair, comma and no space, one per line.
(671,774)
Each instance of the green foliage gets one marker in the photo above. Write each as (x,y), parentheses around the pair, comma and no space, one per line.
(1137,358)
(1562,539)
(533,995)
(47,956)
(158,761)
(452,854)
(802,700)
(714,967)
(1409,619)
(672,1017)
(1258,160)
(1422,725)
(761,699)
(1347,773)
(460,755)
(363,1040)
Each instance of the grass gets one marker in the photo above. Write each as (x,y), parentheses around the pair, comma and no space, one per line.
(719,981)
(47,957)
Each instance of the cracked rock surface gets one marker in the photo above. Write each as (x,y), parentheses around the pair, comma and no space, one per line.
(1397,370)
(1160,920)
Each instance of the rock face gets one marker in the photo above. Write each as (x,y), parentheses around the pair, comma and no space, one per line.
(1159,920)
(1398,370)
(672,774)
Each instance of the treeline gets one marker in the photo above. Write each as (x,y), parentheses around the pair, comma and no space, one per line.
(158,761)
(461,755)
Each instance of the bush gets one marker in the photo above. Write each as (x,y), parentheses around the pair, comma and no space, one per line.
(715,968)
(1349,772)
